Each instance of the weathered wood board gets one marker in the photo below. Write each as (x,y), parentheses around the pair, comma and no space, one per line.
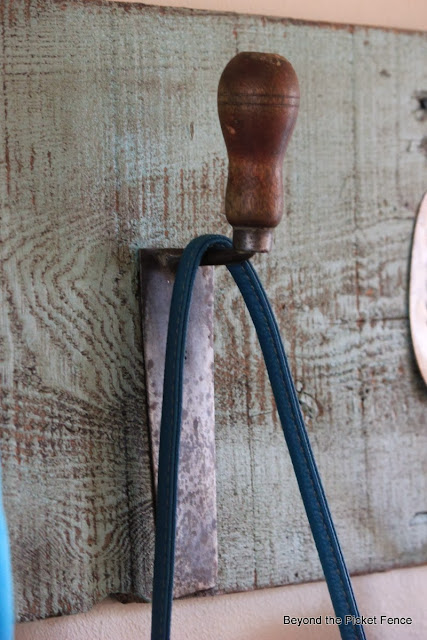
(109,142)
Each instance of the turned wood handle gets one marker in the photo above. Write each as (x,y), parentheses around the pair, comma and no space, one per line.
(258,99)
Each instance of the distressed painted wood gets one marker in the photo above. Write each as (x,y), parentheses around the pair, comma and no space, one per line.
(109,142)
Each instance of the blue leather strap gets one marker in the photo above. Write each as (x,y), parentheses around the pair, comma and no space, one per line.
(310,486)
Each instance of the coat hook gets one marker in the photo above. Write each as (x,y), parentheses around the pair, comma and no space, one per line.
(258,99)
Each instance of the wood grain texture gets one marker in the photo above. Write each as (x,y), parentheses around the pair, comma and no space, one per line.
(110,141)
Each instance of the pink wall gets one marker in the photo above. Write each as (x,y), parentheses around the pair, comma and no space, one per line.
(259,614)
(404,14)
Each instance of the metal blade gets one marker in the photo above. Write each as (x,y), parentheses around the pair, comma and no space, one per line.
(418,289)
(196,561)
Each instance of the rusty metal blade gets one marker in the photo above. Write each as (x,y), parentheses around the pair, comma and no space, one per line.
(418,289)
(196,562)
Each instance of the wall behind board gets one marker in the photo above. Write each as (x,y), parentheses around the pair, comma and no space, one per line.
(383,13)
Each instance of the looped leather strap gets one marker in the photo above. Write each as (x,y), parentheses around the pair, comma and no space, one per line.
(310,486)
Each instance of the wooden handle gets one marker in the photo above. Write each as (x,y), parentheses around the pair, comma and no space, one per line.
(258,99)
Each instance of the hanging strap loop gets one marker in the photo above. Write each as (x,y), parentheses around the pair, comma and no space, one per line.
(296,437)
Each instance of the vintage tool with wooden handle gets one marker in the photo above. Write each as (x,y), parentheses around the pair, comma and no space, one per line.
(258,98)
